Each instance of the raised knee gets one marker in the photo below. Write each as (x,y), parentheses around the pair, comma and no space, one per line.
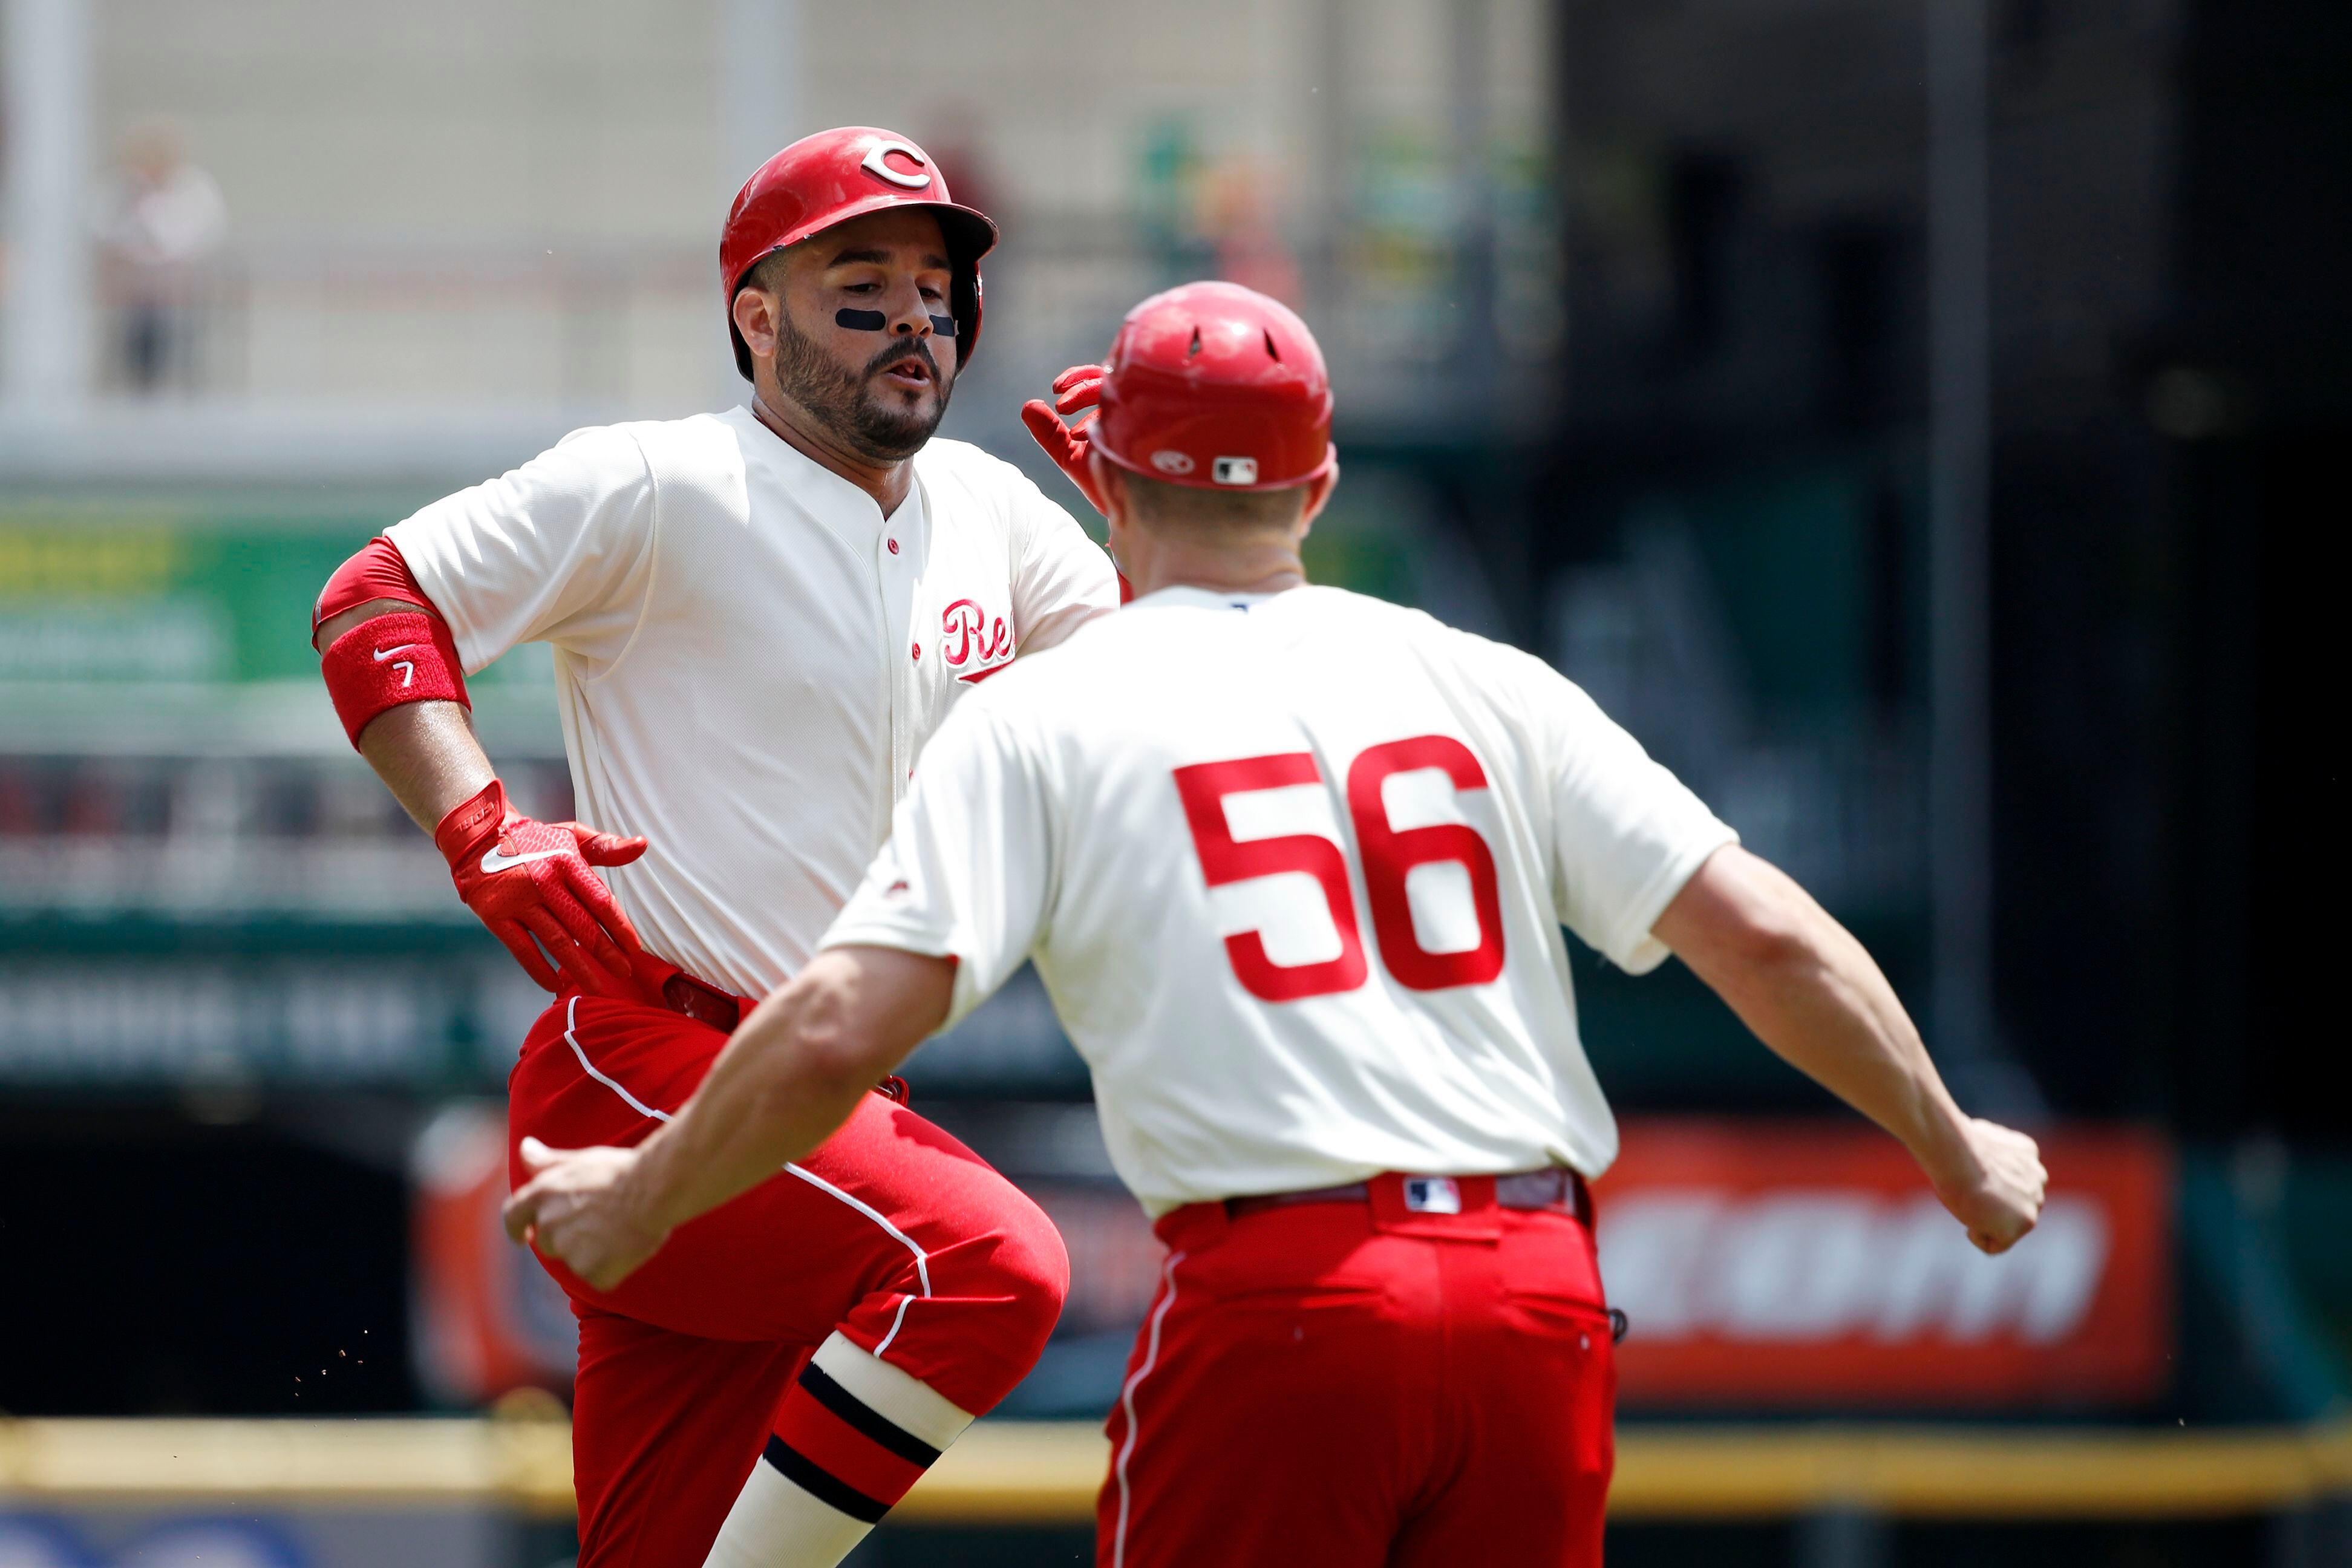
(1034,1268)
(997,1294)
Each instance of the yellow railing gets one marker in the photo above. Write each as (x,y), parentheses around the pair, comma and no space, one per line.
(1047,1472)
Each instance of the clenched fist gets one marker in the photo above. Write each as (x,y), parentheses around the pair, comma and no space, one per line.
(1996,1188)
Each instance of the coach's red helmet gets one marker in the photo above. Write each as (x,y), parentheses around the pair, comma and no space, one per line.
(835,175)
(1215,386)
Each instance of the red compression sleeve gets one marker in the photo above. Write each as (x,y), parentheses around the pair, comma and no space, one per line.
(386,660)
(378,572)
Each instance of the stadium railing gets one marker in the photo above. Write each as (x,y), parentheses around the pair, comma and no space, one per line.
(1006,1473)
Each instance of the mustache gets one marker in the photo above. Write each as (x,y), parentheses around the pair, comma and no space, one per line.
(902,352)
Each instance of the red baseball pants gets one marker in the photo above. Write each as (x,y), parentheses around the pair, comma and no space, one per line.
(1350,1385)
(892,1233)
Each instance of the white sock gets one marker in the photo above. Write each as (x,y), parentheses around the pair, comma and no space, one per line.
(778,1522)
(775,1524)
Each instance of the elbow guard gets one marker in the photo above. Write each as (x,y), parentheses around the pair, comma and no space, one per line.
(377,572)
(405,656)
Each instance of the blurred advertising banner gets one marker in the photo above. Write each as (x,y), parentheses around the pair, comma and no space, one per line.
(40,1541)
(1802,1264)
(1764,1264)
(143,627)
(131,1531)
(181,594)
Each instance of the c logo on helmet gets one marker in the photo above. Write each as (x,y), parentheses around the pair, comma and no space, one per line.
(874,166)
(1170,461)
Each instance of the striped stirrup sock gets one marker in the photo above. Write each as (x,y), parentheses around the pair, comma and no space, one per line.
(850,1439)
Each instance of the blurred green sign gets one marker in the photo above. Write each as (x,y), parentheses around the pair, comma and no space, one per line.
(143,624)
(133,594)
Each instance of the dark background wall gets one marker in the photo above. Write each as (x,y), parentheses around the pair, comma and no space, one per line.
(2171,233)
(2254,510)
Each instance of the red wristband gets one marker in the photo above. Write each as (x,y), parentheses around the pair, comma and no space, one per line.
(389,660)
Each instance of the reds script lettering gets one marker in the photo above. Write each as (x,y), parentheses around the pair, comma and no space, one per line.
(967,633)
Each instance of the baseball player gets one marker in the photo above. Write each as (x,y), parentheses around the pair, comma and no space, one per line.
(757,620)
(1294,865)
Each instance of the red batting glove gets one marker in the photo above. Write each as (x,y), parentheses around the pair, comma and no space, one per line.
(1075,391)
(531,879)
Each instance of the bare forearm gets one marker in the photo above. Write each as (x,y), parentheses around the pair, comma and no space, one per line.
(794,1072)
(771,1097)
(1812,994)
(1828,1011)
(427,756)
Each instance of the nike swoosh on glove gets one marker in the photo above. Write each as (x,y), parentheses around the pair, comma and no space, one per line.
(1077,390)
(528,879)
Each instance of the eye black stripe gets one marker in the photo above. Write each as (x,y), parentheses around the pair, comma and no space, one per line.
(869,1422)
(820,1484)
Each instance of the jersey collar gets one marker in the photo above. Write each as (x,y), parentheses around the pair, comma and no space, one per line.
(1186,597)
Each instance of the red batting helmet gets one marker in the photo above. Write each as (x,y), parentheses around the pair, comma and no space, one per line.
(835,175)
(1215,386)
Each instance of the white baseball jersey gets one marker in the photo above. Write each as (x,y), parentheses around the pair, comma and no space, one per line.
(747,655)
(1293,869)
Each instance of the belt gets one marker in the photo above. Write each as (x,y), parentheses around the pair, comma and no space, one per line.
(702,1002)
(1553,1187)
(723,1010)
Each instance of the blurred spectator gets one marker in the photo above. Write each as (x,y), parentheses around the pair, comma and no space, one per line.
(160,233)
(1237,215)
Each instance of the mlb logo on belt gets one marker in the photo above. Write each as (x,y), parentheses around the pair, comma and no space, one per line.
(1432,1195)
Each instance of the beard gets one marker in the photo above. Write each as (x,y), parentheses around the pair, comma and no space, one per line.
(840,401)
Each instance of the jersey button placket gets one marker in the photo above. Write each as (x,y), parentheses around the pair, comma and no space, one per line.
(895,567)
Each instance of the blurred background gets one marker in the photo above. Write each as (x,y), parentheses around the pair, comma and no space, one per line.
(1921,422)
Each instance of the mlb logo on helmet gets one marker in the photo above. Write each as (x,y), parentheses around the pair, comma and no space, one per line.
(1430,1194)
(1234,470)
